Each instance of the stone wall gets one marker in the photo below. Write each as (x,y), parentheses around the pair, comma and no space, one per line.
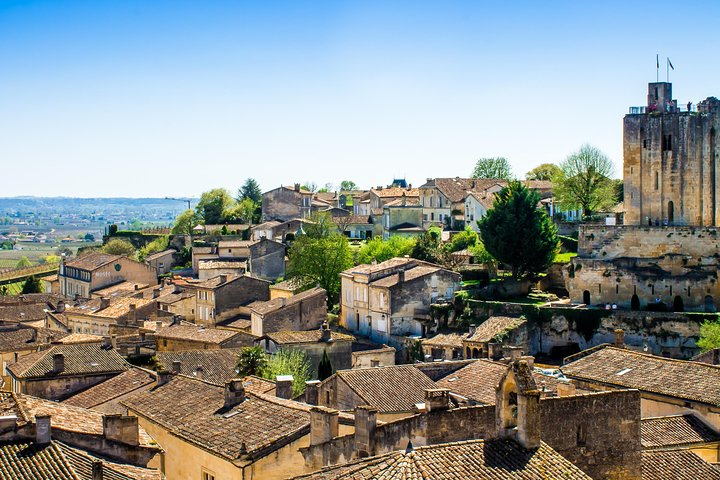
(267,260)
(281,204)
(60,388)
(306,314)
(238,293)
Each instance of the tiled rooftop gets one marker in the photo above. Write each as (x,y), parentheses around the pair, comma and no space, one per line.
(475,459)
(305,336)
(257,426)
(80,358)
(92,261)
(81,463)
(368,269)
(626,368)
(445,340)
(677,465)
(676,431)
(79,338)
(395,388)
(493,327)
(196,333)
(263,308)
(112,388)
(15,338)
(455,189)
(391,192)
(411,274)
(218,365)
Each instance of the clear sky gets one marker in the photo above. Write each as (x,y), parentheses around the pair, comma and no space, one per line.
(155,98)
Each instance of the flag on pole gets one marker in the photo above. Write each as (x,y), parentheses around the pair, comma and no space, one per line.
(670,63)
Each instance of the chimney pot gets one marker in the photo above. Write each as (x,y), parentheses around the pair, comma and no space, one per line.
(60,308)
(163,377)
(437,399)
(43,425)
(97,470)
(326,333)
(620,338)
(58,363)
(199,372)
(323,425)
(156,293)
(565,389)
(104,302)
(365,425)
(283,386)
(471,330)
(234,393)
(401,276)
(311,392)
(223,278)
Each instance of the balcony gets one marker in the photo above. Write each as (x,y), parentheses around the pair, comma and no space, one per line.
(670,108)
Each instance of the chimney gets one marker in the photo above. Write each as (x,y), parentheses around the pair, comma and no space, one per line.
(97,470)
(33,335)
(200,372)
(163,377)
(530,360)
(58,363)
(283,386)
(311,392)
(113,341)
(323,425)
(177,320)
(43,429)
(517,406)
(60,308)
(619,338)
(133,313)
(565,388)
(8,422)
(106,342)
(223,278)
(283,301)
(365,425)
(156,293)
(436,399)
(511,353)
(471,330)
(121,428)
(401,276)
(296,187)
(176,366)
(177,288)
(158,325)
(104,302)
(494,351)
(325,332)
(234,393)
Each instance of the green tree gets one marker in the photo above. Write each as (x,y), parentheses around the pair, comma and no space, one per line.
(428,246)
(347,186)
(709,335)
(544,171)
(247,209)
(213,206)
(250,189)
(584,181)
(3,291)
(309,187)
(6,245)
(158,245)
(185,222)
(89,237)
(112,229)
(289,362)
(463,240)
(251,361)
(517,233)
(493,167)
(325,368)
(317,259)
(117,246)
(23,262)
(32,285)
(379,250)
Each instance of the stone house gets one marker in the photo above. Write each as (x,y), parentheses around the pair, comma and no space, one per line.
(391,300)
(214,366)
(284,289)
(402,217)
(99,316)
(263,258)
(19,340)
(264,230)
(62,370)
(222,297)
(286,203)
(82,276)
(381,196)
(394,390)
(476,207)
(487,339)
(234,432)
(443,199)
(314,343)
(304,311)
(667,386)
(444,346)
(187,336)
(105,397)
(373,357)
(267,259)
(42,439)
(208,269)
(163,261)
(355,226)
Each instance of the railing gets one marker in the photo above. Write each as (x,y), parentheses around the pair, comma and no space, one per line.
(672,108)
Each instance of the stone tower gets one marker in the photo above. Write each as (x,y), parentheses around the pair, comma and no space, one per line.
(671,170)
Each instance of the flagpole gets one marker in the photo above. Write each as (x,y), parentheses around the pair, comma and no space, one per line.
(657,68)
(667,69)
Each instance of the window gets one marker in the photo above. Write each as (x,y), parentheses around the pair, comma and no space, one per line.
(667,143)
(374,363)
(657,180)
(646,143)
(207,476)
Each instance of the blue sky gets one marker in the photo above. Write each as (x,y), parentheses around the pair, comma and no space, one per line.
(155,98)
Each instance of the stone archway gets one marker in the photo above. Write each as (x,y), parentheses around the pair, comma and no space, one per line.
(635,302)
(678,305)
(586,297)
(710,304)
(671,212)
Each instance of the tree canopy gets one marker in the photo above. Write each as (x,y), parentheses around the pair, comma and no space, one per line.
(709,335)
(517,233)
(32,285)
(428,246)
(117,246)
(213,206)
(289,362)
(23,262)
(464,240)
(251,361)
(250,189)
(544,171)
(347,185)
(158,245)
(493,167)
(380,250)
(584,181)
(185,222)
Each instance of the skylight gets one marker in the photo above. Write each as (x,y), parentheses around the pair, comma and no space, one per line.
(623,371)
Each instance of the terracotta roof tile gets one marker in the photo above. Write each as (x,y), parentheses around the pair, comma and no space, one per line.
(677,465)
(675,431)
(392,192)
(495,326)
(197,333)
(445,340)
(414,273)
(81,463)
(305,336)
(15,338)
(257,426)
(395,388)
(92,261)
(80,358)
(79,338)
(455,189)
(475,459)
(112,388)
(626,368)
(218,365)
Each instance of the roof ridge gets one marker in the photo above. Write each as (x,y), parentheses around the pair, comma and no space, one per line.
(657,357)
